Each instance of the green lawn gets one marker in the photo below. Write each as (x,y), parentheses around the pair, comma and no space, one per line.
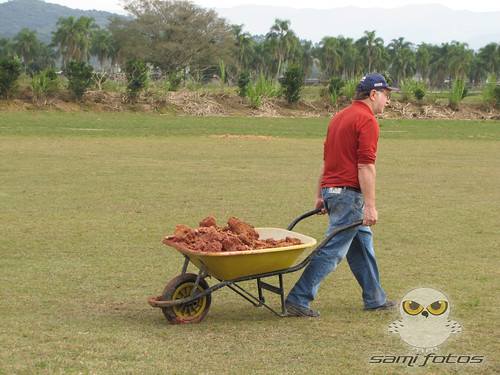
(85,200)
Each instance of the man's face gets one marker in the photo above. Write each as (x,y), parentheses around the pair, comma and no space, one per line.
(381,99)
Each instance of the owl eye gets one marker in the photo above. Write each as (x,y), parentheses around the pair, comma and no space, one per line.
(412,307)
(438,307)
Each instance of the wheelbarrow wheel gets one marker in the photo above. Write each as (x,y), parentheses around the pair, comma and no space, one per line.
(181,287)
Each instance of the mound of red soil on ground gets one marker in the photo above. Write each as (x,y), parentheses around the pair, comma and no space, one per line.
(237,236)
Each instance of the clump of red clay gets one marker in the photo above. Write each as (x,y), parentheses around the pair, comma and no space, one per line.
(237,236)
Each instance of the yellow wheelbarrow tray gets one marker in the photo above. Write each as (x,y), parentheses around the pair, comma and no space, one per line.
(228,265)
(187,297)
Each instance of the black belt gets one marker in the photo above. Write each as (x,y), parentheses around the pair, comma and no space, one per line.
(349,188)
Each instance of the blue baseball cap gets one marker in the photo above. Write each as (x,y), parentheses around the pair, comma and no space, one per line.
(374,81)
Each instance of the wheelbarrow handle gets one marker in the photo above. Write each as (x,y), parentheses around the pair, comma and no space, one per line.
(303,216)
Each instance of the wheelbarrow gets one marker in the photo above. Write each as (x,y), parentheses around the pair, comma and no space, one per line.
(187,297)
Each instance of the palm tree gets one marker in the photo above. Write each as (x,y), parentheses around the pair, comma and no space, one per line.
(73,37)
(243,46)
(477,71)
(422,59)
(402,58)
(66,37)
(490,56)
(27,45)
(46,56)
(438,71)
(293,50)
(260,58)
(6,47)
(352,61)
(459,59)
(330,56)
(269,49)
(86,27)
(372,47)
(307,59)
(280,32)
(406,64)
(102,46)
(397,45)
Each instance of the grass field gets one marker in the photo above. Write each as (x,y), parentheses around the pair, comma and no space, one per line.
(85,200)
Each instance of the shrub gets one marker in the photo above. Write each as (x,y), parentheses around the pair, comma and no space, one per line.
(456,94)
(388,79)
(489,90)
(349,90)
(79,77)
(335,85)
(465,91)
(266,88)
(242,82)
(222,69)
(293,81)
(195,80)
(407,88)
(137,75)
(335,88)
(419,91)
(45,83)
(254,96)
(496,96)
(174,81)
(263,88)
(34,68)
(10,70)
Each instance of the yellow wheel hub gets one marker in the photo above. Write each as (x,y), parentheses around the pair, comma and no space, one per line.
(190,309)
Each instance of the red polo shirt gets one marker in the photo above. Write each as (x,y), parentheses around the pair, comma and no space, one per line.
(351,140)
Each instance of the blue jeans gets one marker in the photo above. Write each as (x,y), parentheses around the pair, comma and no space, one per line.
(343,207)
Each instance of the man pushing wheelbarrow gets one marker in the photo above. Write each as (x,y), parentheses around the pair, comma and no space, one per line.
(346,191)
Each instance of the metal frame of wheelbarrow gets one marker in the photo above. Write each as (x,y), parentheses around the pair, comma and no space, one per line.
(261,285)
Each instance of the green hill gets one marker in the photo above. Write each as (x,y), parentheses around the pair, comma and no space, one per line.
(41,16)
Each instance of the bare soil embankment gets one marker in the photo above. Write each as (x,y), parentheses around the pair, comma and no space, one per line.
(192,103)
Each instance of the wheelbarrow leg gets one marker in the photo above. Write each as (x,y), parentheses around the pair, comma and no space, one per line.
(186,264)
(258,301)
(283,307)
(198,278)
(277,290)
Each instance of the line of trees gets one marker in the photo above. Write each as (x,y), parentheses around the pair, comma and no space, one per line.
(180,37)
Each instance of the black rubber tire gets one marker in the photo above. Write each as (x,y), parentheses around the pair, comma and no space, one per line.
(181,287)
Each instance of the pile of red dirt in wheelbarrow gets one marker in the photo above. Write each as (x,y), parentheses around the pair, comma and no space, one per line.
(237,236)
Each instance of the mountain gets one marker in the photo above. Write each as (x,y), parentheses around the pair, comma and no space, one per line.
(41,16)
(430,23)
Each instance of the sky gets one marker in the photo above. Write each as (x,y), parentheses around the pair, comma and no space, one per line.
(116,6)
